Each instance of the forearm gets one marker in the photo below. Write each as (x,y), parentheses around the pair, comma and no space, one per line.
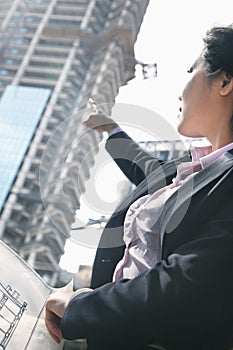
(133,161)
(184,292)
(142,308)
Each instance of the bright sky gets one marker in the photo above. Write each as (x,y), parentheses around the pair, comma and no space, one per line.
(171,35)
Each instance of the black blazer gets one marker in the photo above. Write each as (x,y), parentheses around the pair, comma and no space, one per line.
(185,301)
(146,173)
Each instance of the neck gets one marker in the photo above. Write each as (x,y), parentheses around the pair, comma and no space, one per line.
(219,141)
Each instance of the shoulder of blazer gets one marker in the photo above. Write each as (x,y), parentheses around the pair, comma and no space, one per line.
(177,205)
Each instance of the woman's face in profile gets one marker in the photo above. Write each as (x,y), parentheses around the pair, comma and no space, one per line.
(196,108)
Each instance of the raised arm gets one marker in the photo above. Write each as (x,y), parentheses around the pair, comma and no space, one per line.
(133,161)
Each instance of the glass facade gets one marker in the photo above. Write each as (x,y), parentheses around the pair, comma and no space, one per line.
(20,112)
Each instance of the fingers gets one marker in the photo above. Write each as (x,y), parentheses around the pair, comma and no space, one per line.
(97,109)
(53,324)
(55,307)
(54,311)
(99,120)
(93,105)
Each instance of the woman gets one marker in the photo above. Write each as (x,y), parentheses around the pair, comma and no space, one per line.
(184,299)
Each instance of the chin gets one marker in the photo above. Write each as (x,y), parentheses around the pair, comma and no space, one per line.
(188,132)
(181,130)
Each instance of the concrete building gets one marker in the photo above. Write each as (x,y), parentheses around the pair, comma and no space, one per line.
(54,55)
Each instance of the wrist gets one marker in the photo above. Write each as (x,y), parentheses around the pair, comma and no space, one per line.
(110,127)
(77,292)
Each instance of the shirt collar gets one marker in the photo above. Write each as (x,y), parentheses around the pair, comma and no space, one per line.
(202,155)
(209,158)
(205,155)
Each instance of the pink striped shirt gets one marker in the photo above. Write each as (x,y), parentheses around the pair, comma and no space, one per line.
(141,226)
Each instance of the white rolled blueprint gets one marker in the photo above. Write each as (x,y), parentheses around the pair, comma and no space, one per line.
(23,294)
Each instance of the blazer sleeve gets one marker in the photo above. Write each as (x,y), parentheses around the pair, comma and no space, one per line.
(187,296)
(133,161)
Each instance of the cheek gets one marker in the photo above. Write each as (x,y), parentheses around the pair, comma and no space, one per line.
(187,98)
(194,99)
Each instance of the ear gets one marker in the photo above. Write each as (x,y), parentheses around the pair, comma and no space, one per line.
(226,86)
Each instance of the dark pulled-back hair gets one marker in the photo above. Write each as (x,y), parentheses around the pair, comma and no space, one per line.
(218,50)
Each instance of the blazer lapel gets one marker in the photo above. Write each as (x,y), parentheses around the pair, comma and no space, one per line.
(177,205)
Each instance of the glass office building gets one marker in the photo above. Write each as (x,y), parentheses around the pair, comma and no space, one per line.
(20,111)
(54,55)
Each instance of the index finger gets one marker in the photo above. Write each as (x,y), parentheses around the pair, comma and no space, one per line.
(93,104)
